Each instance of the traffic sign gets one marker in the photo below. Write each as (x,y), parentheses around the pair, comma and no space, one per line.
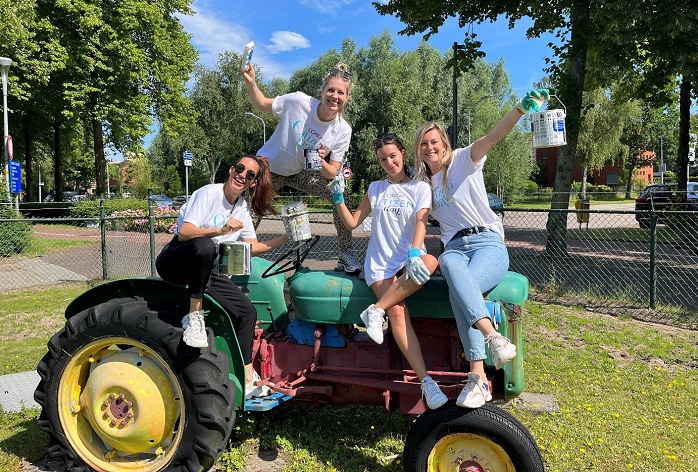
(15,176)
(346,173)
(188,157)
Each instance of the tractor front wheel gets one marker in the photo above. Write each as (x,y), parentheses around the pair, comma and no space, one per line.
(120,391)
(457,439)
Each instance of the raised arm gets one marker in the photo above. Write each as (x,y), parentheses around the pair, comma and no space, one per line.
(529,103)
(259,101)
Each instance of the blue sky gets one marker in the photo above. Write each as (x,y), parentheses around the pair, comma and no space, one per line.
(290,34)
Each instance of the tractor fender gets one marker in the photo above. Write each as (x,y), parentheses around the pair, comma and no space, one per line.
(158,292)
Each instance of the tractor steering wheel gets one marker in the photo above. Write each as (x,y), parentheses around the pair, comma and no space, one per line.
(301,250)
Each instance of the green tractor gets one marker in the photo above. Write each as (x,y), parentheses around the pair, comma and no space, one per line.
(120,391)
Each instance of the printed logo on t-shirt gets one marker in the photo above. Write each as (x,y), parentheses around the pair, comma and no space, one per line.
(219,220)
(440,199)
(307,138)
(394,203)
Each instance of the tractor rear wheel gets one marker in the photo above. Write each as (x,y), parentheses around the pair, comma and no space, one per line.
(459,439)
(120,391)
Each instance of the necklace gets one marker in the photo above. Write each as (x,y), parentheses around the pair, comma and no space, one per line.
(403,180)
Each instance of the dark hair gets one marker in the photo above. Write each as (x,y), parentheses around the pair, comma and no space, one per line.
(388,138)
(262,193)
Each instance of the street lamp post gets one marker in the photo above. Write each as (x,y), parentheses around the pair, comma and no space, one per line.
(471,107)
(264,125)
(454,121)
(5,64)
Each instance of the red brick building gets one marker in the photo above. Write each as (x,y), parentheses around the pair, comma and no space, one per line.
(608,175)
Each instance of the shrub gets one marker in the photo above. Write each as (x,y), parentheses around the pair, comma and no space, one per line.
(15,235)
(165,219)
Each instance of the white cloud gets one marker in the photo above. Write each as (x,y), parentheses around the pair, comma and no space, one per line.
(333,8)
(282,41)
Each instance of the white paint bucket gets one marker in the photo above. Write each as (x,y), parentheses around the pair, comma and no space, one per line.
(548,127)
(312,160)
(296,221)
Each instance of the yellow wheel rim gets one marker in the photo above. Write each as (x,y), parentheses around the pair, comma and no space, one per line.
(120,406)
(466,452)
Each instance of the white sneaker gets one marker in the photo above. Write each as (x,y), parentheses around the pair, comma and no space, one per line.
(502,349)
(475,393)
(195,329)
(252,390)
(348,262)
(372,317)
(433,395)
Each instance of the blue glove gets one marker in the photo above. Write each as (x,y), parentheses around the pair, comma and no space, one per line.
(533,100)
(337,187)
(416,270)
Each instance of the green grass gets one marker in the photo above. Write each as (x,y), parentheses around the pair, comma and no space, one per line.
(628,393)
(28,317)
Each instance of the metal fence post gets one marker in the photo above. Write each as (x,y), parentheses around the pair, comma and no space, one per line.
(653,259)
(151,228)
(103,234)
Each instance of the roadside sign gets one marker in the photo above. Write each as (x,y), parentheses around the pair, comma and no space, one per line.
(15,176)
(188,157)
(346,173)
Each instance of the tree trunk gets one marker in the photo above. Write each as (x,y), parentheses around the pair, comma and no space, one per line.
(684,128)
(629,181)
(572,87)
(28,167)
(583,185)
(57,159)
(98,143)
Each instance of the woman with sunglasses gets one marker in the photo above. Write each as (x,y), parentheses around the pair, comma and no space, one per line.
(217,213)
(310,125)
(400,207)
(475,258)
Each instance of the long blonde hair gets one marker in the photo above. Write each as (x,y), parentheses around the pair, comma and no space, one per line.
(422,169)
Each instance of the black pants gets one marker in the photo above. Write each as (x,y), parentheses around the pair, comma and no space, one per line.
(190,263)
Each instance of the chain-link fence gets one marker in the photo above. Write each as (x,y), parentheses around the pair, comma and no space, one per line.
(608,259)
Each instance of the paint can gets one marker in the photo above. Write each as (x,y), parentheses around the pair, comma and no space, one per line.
(548,127)
(234,258)
(312,159)
(296,221)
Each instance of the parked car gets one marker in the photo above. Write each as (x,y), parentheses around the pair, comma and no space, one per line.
(664,196)
(178,201)
(496,205)
(68,196)
(162,200)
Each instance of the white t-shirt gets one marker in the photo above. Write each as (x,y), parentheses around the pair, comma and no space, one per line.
(208,208)
(394,208)
(465,204)
(300,129)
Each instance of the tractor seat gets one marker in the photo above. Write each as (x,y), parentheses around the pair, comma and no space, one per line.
(337,297)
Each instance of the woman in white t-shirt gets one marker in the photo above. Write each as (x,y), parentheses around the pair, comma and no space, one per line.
(475,258)
(400,207)
(217,213)
(312,125)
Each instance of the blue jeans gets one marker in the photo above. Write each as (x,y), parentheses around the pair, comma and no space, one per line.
(473,265)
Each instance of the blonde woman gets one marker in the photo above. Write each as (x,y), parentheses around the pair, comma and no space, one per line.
(475,258)
(312,125)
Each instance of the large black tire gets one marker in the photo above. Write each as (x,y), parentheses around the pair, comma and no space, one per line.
(181,399)
(456,438)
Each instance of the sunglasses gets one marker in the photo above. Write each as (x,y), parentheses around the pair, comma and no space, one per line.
(240,169)
(345,74)
(389,138)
